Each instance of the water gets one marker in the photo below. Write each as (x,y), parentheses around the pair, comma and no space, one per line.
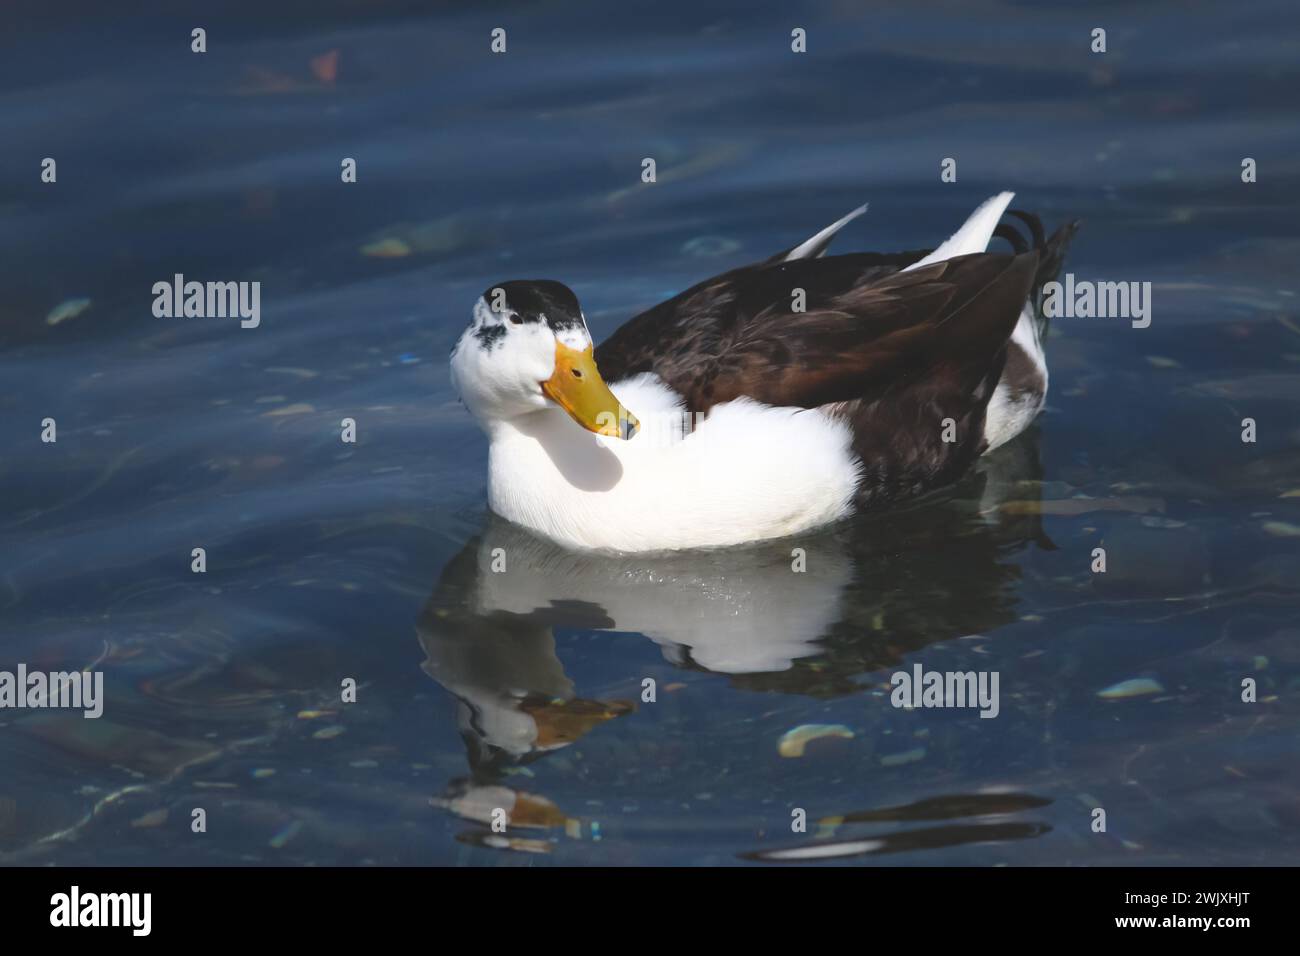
(372,562)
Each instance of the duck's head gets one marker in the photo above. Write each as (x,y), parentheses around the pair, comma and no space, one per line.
(527,348)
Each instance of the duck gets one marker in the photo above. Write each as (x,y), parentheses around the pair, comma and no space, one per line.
(771,400)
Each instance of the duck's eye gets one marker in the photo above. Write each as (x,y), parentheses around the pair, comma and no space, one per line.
(576,373)
(515,319)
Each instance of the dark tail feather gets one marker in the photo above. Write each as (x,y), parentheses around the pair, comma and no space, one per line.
(1033,222)
(1049,267)
(1013,236)
(1051,254)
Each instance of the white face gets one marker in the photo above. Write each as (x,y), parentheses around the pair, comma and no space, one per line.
(510,363)
(500,363)
(502,359)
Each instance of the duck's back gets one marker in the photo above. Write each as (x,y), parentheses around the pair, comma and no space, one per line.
(906,351)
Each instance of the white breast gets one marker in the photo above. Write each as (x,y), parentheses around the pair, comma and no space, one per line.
(1015,405)
(747,471)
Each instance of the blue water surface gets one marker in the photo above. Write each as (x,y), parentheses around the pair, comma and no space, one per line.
(372,562)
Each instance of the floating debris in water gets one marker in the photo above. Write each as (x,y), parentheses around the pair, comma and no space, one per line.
(330,732)
(69,309)
(325,67)
(1136,687)
(1155,521)
(386,249)
(154,818)
(313,714)
(261,773)
(285,835)
(1159,361)
(1281,529)
(299,408)
(793,742)
(907,756)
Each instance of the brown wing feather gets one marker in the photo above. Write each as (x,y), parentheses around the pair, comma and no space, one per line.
(863,334)
(909,360)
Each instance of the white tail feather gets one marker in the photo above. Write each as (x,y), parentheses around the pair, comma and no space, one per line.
(810,246)
(975,233)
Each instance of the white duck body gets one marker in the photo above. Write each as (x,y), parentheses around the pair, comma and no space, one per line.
(747,472)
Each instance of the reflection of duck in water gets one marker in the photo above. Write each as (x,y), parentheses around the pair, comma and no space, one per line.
(738,611)
(514,701)
(868,593)
(514,698)
(818,386)
(806,615)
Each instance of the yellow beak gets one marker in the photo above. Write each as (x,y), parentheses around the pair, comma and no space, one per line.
(578,388)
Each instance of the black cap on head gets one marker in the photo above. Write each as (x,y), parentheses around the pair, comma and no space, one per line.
(537,300)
